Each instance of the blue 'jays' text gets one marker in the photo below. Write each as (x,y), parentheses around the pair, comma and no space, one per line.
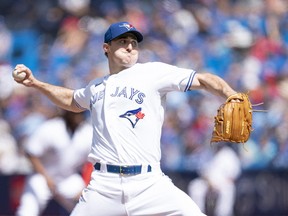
(129,93)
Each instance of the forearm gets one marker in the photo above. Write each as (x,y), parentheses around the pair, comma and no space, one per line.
(213,84)
(60,96)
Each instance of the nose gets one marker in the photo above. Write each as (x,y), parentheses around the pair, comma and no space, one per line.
(129,47)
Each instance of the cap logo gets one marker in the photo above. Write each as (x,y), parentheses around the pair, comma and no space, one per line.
(127,26)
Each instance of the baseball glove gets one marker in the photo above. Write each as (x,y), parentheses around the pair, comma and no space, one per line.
(233,122)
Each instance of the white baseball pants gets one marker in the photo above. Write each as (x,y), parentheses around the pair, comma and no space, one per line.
(144,194)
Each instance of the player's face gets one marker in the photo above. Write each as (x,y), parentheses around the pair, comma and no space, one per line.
(123,51)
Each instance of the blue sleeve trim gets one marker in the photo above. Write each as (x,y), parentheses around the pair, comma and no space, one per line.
(189,84)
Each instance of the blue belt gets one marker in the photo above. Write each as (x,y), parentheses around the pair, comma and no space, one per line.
(123,170)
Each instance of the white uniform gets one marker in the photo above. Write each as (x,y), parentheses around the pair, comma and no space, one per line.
(62,154)
(127,111)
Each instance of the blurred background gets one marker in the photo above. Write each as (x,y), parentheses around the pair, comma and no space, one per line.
(243,41)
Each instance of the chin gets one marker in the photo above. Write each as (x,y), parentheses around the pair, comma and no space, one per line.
(130,64)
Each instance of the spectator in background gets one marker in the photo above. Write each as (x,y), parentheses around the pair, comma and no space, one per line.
(8,150)
(58,149)
(217,177)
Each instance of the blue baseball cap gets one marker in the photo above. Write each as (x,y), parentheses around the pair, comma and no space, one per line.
(119,28)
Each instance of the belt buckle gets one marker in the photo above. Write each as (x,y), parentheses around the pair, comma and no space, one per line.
(121,171)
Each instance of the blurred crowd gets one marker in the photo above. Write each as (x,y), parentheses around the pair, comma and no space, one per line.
(243,41)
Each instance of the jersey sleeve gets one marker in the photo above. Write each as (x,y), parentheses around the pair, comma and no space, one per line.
(82,97)
(173,78)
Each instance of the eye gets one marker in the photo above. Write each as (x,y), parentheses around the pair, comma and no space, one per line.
(134,43)
(123,41)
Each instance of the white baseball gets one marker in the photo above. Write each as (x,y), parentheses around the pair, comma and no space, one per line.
(18,76)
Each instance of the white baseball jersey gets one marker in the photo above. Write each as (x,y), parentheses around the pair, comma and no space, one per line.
(127,111)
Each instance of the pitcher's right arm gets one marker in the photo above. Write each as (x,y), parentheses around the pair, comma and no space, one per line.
(60,96)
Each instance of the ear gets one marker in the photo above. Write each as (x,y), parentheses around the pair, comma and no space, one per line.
(106,47)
